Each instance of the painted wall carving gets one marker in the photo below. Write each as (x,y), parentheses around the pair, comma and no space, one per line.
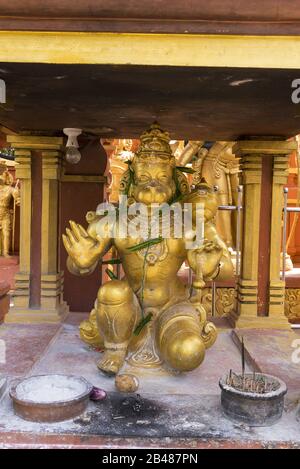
(225,300)
(292,305)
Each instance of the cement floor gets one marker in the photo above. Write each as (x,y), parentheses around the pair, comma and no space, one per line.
(177,411)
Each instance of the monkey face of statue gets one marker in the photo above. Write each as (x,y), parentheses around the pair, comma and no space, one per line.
(153,183)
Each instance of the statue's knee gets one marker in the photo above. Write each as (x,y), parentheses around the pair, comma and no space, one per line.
(180,341)
(184,351)
(115,292)
(116,312)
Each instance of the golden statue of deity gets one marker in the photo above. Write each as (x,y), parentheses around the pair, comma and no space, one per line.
(220,167)
(8,194)
(150,318)
(118,164)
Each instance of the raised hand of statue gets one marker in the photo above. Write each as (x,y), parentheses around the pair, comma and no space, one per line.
(81,247)
(211,254)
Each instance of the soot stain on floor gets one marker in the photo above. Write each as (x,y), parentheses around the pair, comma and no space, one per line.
(164,416)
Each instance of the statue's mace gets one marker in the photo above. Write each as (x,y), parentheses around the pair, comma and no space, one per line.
(198,285)
(14,221)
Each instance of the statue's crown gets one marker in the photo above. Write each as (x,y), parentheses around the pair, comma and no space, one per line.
(155,145)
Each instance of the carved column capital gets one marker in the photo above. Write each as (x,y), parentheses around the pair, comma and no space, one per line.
(31,142)
(263,147)
(52,164)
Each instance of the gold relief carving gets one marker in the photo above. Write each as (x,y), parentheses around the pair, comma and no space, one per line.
(206,300)
(209,334)
(292,305)
(226,302)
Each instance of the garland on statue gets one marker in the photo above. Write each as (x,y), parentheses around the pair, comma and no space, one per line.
(148,243)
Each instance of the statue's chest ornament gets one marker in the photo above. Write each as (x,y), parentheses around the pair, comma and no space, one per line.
(154,253)
(158,251)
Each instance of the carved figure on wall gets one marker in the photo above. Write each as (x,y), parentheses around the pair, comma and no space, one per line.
(9,197)
(220,167)
(118,165)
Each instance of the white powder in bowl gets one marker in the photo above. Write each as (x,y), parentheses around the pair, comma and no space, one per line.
(50,389)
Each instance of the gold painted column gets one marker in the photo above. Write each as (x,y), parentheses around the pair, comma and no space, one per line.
(52,304)
(281,154)
(251,165)
(256,219)
(22,147)
(49,307)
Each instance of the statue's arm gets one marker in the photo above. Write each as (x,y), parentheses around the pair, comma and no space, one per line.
(85,248)
(225,270)
(210,255)
(217,264)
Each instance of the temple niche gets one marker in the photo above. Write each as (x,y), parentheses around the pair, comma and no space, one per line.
(117,329)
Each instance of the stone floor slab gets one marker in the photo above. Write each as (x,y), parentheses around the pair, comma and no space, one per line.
(69,355)
(169,408)
(22,345)
(273,352)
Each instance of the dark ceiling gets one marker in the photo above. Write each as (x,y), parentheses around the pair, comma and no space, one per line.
(267,17)
(121,101)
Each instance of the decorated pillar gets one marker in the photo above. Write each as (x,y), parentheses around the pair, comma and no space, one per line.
(52,304)
(260,292)
(22,147)
(247,288)
(39,283)
(276,285)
